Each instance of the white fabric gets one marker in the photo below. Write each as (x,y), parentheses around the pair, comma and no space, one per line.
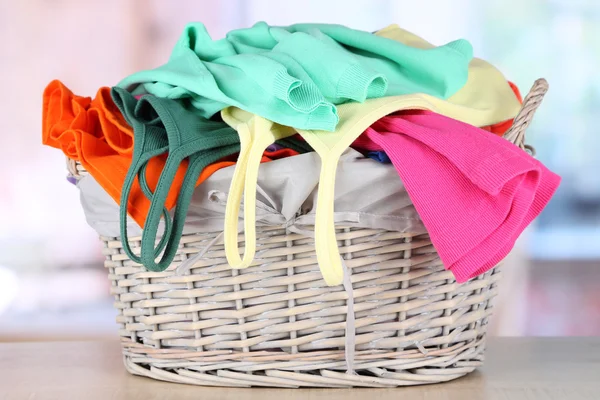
(368,194)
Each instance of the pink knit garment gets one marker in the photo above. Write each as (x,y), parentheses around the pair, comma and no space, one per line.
(475,192)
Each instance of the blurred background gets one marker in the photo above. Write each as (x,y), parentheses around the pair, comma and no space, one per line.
(52,282)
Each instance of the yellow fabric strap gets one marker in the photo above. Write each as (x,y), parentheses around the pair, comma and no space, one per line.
(355,118)
(256,134)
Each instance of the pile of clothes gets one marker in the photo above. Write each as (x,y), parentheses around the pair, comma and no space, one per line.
(316,100)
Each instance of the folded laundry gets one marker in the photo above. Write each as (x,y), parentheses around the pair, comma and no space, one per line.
(296,75)
(475,192)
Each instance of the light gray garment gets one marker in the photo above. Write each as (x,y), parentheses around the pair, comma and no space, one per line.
(368,194)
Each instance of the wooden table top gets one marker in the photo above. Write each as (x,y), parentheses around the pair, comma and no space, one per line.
(515,368)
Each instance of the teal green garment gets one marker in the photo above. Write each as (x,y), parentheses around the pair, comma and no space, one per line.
(160,126)
(296,75)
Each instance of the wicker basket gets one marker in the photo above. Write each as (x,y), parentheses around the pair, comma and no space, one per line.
(278,324)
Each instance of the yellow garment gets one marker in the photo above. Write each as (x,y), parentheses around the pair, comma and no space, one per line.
(256,134)
(485,99)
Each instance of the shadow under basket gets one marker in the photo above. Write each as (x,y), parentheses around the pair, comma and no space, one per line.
(277,324)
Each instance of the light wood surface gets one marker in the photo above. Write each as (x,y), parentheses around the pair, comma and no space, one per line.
(515,368)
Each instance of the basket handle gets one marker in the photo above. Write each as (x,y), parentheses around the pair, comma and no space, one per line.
(516,133)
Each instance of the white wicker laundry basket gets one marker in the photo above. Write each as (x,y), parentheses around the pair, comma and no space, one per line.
(278,324)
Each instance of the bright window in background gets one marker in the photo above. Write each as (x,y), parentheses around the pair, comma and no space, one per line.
(559,40)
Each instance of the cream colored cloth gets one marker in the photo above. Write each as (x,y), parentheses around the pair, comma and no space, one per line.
(368,195)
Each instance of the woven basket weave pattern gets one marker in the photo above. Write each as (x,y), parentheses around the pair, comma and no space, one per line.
(278,324)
